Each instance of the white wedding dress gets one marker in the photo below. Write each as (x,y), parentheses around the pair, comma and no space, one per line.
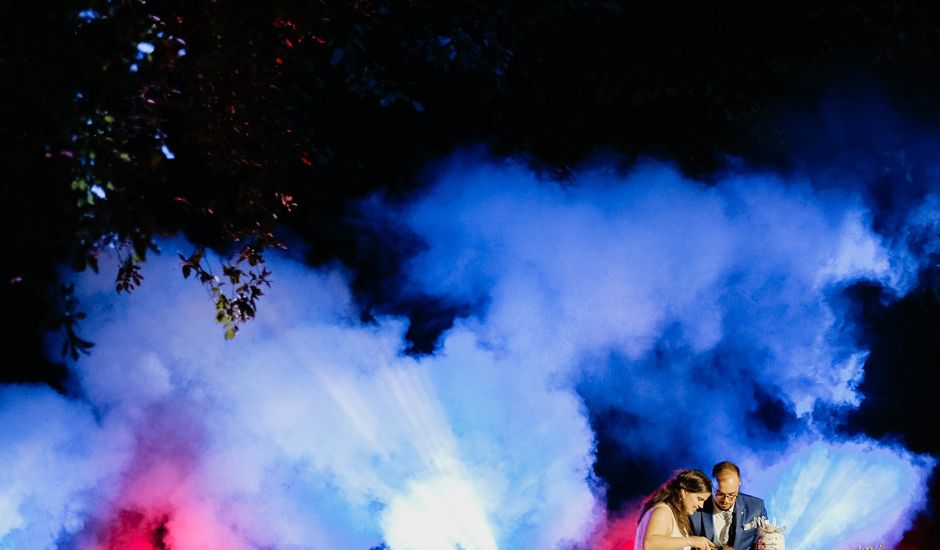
(644,524)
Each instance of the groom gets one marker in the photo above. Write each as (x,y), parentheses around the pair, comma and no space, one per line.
(728,517)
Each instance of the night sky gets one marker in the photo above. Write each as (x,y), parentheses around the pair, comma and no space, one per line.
(465,275)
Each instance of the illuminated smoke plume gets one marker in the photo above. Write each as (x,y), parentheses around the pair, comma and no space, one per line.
(685,309)
(700,315)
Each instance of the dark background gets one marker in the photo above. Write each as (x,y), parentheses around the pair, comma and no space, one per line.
(281,116)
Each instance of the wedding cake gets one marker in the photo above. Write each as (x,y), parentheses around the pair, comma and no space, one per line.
(770,537)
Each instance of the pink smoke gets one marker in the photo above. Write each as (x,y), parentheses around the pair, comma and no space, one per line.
(161,503)
(619,531)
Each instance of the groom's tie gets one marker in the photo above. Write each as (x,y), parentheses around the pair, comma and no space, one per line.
(726,528)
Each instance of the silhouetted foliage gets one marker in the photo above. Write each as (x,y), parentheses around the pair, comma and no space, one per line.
(128,121)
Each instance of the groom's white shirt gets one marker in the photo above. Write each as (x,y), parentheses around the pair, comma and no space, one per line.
(718,520)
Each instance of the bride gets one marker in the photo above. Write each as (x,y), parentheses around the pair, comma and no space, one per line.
(665,521)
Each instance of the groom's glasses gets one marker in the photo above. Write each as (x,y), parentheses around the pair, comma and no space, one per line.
(729,496)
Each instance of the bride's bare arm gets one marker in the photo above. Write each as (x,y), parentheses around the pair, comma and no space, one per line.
(658,534)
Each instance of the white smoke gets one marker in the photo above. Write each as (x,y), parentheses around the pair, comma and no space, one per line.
(313,430)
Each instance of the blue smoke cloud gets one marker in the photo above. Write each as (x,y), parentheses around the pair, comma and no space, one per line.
(836,495)
(308,431)
(688,308)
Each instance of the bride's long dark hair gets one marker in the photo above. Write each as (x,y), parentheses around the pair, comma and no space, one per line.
(692,481)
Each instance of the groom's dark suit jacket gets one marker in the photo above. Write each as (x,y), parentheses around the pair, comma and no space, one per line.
(744,535)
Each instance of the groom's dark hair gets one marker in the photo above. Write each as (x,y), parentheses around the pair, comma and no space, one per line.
(725,467)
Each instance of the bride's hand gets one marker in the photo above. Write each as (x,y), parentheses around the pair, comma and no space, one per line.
(702,543)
